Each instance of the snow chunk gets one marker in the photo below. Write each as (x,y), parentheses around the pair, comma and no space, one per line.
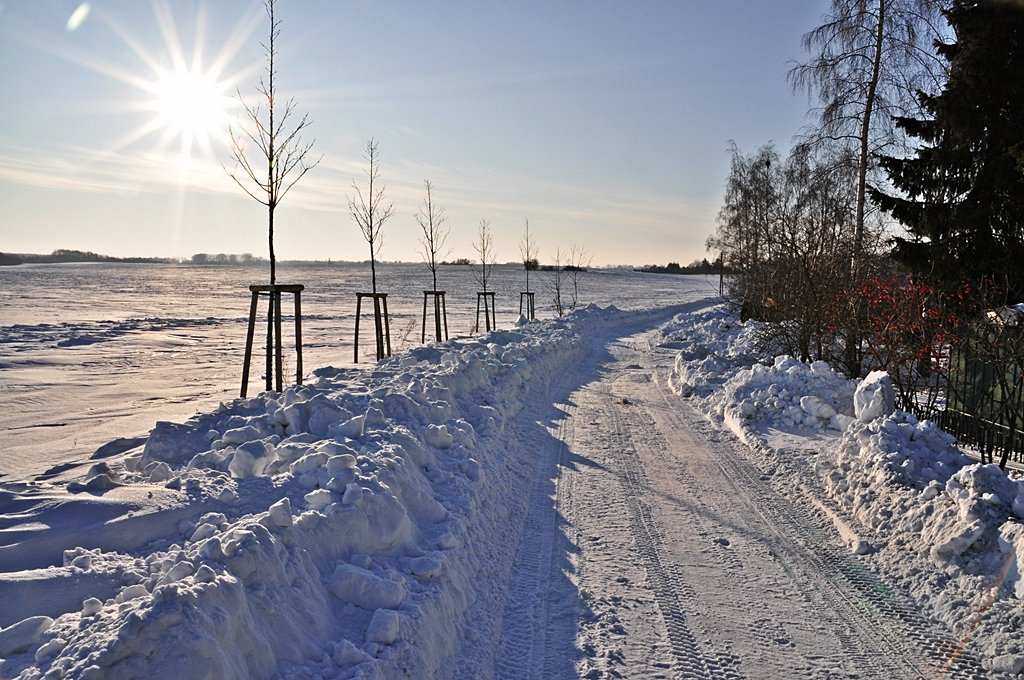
(1011,547)
(383,628)
(133,592)
(318,499)
(91,606)
(281,513)
(875,397)
(438,437)
(19,637)
(365,589)
(816,407)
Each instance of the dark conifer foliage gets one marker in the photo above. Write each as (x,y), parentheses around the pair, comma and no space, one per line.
(961,196)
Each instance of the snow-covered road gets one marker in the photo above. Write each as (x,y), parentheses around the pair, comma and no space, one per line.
(653,548)
(533,503)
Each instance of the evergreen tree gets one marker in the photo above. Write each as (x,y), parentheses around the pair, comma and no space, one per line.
(961,196)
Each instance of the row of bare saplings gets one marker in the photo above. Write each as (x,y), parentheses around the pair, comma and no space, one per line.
(370,214)
(370,210)
(270,158)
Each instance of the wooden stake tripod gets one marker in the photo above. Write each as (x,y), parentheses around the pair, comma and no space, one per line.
(489,316)
(274,352)
(440,312)
(381,324)
(528,298)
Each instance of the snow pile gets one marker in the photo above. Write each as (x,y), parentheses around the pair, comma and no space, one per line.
(712,344)
(788,395)
(899,475)
(719,365)
(336,528)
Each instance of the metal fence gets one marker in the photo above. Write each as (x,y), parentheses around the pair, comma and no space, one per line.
(985,390)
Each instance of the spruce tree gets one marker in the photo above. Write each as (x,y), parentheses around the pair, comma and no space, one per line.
(961,195)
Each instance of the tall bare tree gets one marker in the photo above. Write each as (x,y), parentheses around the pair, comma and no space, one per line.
(269,136)
(370,210)
(431,218)
(868,60)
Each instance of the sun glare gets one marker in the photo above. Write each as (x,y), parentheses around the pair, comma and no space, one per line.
(184,89)
(192,106)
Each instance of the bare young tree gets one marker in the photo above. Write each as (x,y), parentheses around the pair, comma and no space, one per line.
(556,282)
(484,247)
(566,277)
(370,211)
(528,251)
(579,262)
(868,60)
(431,218)
(269,137)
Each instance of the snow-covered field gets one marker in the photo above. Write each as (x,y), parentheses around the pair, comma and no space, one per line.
(629,491)
(90,353)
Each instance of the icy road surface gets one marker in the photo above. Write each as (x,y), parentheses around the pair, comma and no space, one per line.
(653,548)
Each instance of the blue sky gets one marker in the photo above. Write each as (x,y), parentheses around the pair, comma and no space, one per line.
(606,124)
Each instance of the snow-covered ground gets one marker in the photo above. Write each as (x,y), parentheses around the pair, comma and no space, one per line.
(90,353)
(916,509)
(618,493)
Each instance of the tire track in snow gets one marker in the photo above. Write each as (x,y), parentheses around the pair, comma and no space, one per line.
(671,591)
(525,635)
(541,605)
(878,611)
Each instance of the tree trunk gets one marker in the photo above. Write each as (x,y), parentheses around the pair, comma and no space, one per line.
(373,270)
(865,128)
(273,259)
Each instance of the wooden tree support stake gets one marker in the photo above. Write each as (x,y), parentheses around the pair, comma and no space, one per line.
(528,299)
(274,369)
(489,316)
(381,324)
(440,313)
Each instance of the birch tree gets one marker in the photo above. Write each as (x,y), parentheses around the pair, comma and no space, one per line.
(867,62)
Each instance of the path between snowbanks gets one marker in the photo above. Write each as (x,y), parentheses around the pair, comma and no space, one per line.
(341,529)
(653,547)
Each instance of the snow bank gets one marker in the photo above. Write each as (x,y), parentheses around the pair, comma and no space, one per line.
(337,528)
(950,529)
(719,366)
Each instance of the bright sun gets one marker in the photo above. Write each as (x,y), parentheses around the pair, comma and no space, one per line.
(192,106)
(186,90)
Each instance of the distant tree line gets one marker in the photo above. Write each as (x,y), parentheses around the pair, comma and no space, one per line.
(700,266)
(64,256)
(222,258)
